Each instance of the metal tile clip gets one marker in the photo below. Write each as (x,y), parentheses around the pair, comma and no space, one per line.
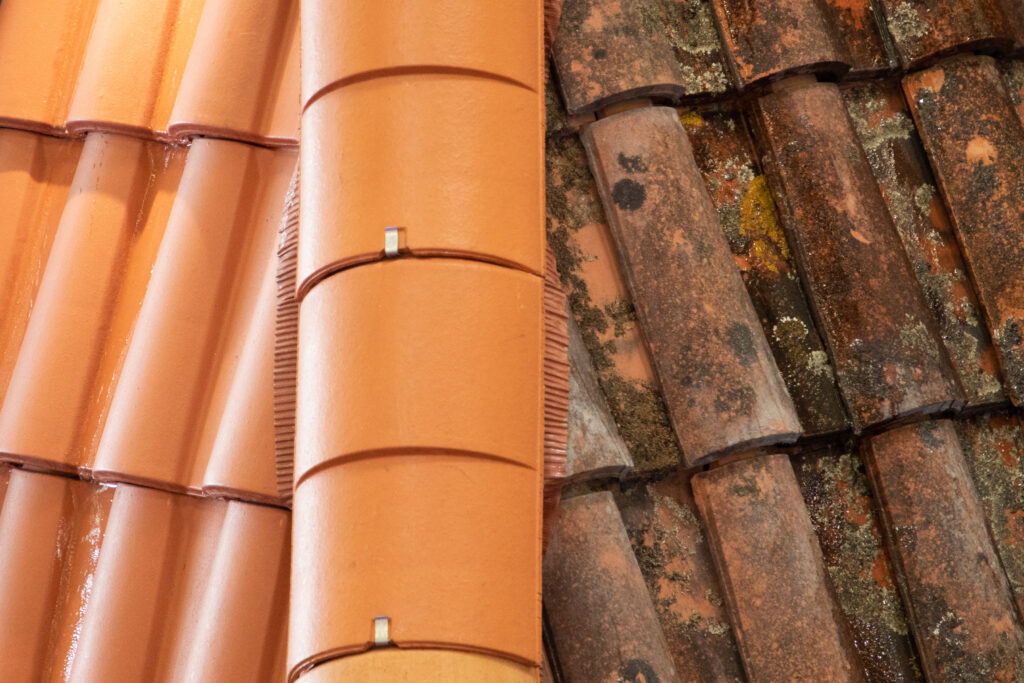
(381,631)
(391,242)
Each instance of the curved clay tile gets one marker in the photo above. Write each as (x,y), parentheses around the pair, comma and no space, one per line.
(446,546)
(975,142)
(721,384)
(35,176)
(341,42)
(422,666)
(882,120)
(197,313)
(446,355)
(770,39)
(875,322)
(242,77)
(859,27)
(780,599)
(595,599)
(962,613)
(924,29)
(469,132)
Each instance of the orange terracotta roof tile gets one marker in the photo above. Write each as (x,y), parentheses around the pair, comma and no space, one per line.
(127,583)
(148,354)
(165,68)
(422,666)
(925,29)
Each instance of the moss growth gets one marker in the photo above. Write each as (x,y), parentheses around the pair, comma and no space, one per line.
(905,23)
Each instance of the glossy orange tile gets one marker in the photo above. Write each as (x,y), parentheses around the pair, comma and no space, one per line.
(479,200)
(341,41)
(445,545)
(420,355)
(423,666)
(125,583)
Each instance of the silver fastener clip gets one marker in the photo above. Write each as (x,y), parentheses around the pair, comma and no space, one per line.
(381,631)
(391,242)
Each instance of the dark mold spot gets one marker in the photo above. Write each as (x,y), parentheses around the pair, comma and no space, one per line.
(742,343)
(629,195)
(632,164)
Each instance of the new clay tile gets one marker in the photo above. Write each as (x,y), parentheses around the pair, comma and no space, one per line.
(835,490)
(603,622)
(961,610)
(122,297)
(134,584)
(341,42)
(925,29)
(881,337)
(609,51)
(447,547)
(893,148)
(721,384)
(35,176)
(771,39)
(602,307)
(787,624)
(975,142)
(749,218)
(993,445)
(446,353)
(422,666)
(354,187)
(595,448)
(671,547)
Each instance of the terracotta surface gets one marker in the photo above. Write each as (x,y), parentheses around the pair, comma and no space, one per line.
(446,355)
(166,280)
(286,343)
(773,38)
(612,51)
(557,390)
(35,176)
(223,67)
(724,395)
(602,306)
(858,25)
(341,42)
(993,445)
(893,148)
(605,627)
(961,609)
(128,583)
(924,29)
(447,547)
(787,623)
(671,547)
(421,666)
(354,187)
(749,218)
(879,332)
(842,510)
(976,145)
(595,448)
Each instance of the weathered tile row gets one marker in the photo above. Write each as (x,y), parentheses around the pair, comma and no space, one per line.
(881,336)
(925,29)
(975,141)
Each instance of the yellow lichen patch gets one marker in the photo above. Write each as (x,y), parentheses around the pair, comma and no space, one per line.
(759,222)
(690,119)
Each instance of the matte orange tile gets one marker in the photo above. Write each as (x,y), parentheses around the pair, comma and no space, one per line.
(341,41)
(481,198)
(446,546)
(420,355)
(186,350)
(422,666)
(242,77)
(35,177)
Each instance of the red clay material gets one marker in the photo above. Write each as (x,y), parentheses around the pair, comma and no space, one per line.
(887,133)
(889,360)
(857,24)
(786,621)
(975,142)
(354,187)
(925,29)
(956,593)
(421,666)
(993,445)
(720,381)
(835,489)
(611,51)
(604,625)
(447,546)
(671,547)
(747,212)
(769,39)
